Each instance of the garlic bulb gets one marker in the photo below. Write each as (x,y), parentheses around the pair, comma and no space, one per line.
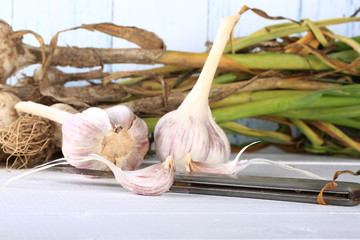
(8,113)
(113,139)
(13,55)
(58,127)
(116,134)
(191,128)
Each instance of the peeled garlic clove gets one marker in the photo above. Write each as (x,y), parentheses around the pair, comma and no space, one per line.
(121,137)
(232,167)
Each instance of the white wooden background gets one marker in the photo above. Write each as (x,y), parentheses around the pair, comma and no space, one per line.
(184,25)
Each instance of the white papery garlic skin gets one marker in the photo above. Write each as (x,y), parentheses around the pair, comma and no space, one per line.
(116,134)
(58,127)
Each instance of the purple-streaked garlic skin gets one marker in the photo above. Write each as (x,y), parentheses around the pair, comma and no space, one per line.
(116,134)
(58,126)
(179,133)
(151,181)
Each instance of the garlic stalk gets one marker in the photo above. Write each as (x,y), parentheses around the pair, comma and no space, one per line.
(235,166)
(151,181)
(115,133)
(191,128)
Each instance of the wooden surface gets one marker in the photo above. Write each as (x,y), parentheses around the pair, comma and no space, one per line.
(53,205)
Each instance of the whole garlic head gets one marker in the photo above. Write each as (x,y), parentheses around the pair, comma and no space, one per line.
(179,133)
(191,128)
(116,134)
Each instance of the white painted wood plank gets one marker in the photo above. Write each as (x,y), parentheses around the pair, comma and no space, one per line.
(53,205)
(320,9)
(48,17)
(6,10)
(181,24)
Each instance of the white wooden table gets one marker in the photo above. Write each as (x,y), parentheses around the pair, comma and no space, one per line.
(54,205)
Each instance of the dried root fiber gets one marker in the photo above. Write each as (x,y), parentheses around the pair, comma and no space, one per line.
(28,141)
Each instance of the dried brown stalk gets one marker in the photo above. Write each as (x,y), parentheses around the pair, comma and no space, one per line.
(146,105)
(331,185)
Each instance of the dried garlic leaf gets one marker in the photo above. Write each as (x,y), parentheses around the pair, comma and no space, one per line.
(333,184)
(141,37)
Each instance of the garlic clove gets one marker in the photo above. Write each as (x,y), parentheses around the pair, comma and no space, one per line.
(98,119)
(153,180)
(232,167)
(121,115)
